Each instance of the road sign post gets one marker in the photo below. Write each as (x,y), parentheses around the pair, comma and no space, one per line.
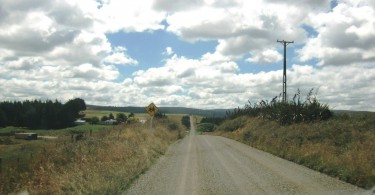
(152,109)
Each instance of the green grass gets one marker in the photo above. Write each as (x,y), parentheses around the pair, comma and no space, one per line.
(81,128)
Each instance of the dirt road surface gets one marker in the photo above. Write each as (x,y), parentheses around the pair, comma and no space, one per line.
(202,164)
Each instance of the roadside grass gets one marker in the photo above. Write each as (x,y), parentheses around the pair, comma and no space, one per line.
(104,163)
(341,147)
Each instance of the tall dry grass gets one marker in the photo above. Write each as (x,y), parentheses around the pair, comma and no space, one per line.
(104,163)
(342,147)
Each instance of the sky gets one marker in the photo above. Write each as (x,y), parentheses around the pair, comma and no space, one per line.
(207,54)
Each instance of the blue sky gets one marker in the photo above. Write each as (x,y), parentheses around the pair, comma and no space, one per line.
(200,54)
(148,47)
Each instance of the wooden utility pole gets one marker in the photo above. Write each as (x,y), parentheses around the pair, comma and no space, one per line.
(285,43)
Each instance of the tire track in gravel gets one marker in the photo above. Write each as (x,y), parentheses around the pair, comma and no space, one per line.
(202,164)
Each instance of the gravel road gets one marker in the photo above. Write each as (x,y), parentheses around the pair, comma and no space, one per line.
(202,164)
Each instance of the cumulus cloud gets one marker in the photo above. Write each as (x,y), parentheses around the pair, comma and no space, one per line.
(129,16)
(268,56)
(246,27)
(119,56)
(53,49)
(176,5)
(345,36)
(168,51)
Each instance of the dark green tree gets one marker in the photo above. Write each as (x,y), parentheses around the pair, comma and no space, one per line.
(104,118)
(121,117)
(3,119)
(37,114)
(185,120)
(160,115)
(111,116)
(94,120)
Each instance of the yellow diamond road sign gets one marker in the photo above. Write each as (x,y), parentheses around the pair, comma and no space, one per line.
(152,109)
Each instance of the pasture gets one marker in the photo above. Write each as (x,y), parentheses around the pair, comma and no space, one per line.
(104,161)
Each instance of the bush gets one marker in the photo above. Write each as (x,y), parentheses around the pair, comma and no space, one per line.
(185,120)
(214,120)
(173,126)
(206,127)
(232,125)
(286,113)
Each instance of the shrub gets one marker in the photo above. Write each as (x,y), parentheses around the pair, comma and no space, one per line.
(206,127)
(284,112)
(185,120)
(214,120)
(232,125)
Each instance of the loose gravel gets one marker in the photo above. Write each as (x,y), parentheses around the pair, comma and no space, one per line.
(203,164)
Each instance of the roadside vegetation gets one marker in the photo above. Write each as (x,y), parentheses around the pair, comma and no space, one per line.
(104,161)
(308,133)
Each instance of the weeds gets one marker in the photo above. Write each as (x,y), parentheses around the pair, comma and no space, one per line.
(342,147)
(104,163)
(286,113)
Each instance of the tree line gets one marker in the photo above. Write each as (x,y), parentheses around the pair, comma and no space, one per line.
(38,114)
(120,118)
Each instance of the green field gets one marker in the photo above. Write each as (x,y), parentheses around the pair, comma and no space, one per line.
(101,113)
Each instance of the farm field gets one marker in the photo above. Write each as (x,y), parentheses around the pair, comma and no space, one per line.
(105,161)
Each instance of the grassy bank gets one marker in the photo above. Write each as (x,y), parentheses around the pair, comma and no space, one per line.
(104,163)
(342,146)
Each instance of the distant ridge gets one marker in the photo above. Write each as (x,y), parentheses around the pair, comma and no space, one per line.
(351,112)
(165,110)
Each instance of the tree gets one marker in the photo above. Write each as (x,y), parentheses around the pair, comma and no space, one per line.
(104,118)
(2,118)
(185,120)
(37,114)
(160,115)
(94,120)
(70,111)
(111,116)
(121,117)
(131,115)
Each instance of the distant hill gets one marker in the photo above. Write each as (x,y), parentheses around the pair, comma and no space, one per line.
(350,112)
(165,110)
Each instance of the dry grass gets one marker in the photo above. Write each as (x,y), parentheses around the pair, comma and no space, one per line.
(104,163)
(342,147)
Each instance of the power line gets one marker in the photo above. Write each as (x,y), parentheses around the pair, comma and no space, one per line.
(285,43)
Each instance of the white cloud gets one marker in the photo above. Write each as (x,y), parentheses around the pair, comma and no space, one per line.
(59,50)
(119,56)
(345,36)
(176,5)
(268,56)
(168,51)
(129,16)
(246,27)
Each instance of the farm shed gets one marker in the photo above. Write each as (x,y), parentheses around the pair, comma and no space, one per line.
(27,136)
(108,122)
(79,122)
